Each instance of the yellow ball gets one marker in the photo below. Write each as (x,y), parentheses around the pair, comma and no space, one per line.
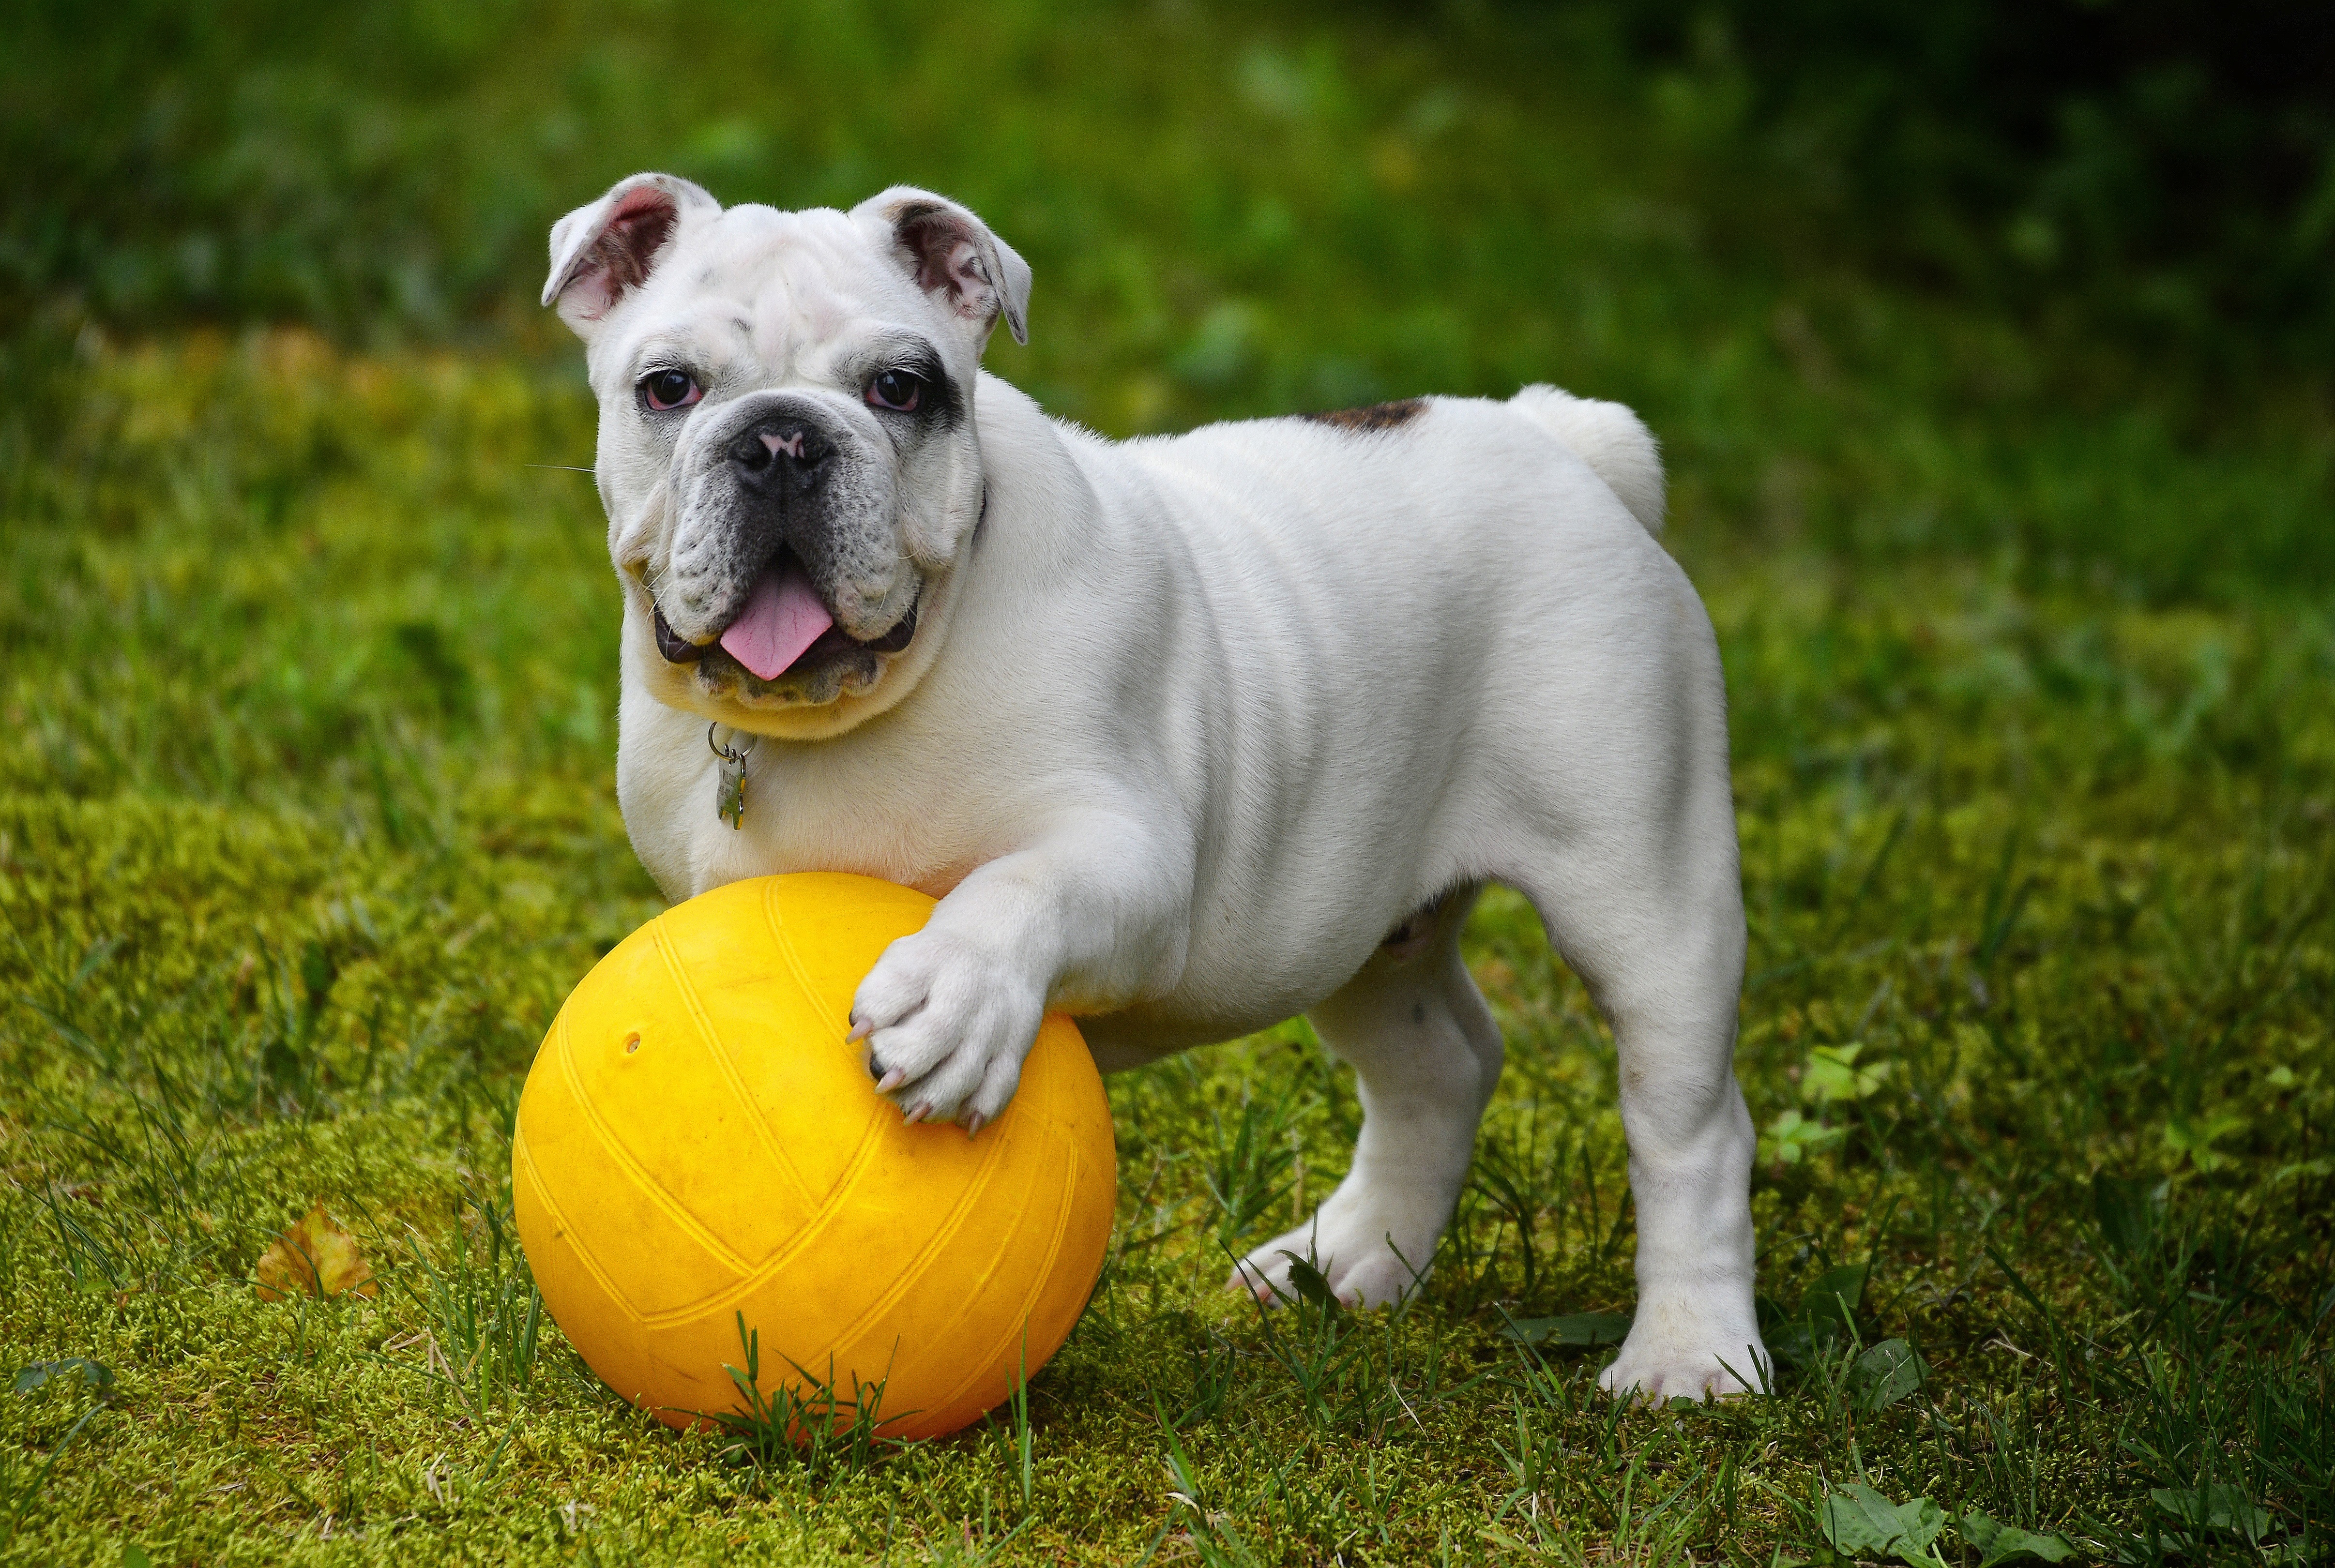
(696,1141)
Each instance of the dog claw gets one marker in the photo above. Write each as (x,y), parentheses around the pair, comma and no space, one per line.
(916,1113)
(860,1030)
(974,1122)
(891,1081)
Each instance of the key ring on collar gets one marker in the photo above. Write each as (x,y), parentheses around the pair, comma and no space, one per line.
(727,753)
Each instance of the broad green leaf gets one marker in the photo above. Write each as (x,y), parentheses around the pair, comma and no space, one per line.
(40,1374)
(1886,1373)
(1831,1074)
(1581,1330)
(2196,1138)
(1918,1525)
(1792,1138)
(1836,1295)
(1858,1519)
(2126,1212)
(1997,1541)
(2220,1507)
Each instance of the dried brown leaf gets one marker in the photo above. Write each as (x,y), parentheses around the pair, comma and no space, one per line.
(317,1257)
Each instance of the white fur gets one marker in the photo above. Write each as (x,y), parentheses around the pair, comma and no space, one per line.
(1610,438)
(1194,724)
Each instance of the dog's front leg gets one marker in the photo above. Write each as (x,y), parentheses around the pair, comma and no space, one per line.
(1090,917)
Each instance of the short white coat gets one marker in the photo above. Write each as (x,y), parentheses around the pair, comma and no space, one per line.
(1199,732)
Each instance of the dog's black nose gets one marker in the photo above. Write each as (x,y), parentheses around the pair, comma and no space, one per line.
(777,447)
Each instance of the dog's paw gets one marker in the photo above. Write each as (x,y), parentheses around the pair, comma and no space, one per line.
(948,1024)
(1675,1351)
(1367,1255)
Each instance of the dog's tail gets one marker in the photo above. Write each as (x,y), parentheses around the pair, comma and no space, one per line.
(1611,440)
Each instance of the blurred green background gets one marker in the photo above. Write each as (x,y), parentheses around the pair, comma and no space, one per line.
(387,169)
(2082,239)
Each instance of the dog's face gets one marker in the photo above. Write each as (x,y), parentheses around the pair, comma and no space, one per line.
(786,451)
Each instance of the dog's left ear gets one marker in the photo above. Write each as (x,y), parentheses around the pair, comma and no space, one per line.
(951,254)
(601,251)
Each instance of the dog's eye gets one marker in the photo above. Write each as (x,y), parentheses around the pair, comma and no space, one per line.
(666,389)
(897,389)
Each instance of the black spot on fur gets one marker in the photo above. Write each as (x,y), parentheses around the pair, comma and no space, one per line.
(1377,417)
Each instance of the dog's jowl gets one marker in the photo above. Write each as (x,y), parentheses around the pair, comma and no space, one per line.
(1188,735)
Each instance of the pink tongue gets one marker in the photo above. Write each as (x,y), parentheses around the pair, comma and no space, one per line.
(783,617)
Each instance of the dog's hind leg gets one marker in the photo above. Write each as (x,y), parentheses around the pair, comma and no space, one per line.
(1648,910)
(1426,1055)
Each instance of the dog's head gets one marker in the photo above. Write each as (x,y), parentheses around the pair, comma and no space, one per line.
(787,446)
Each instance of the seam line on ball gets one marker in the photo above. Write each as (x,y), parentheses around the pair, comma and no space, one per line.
(1066,1202)
(776,920)
(711,1038)
(646,1183)
(872,1131)
(822,1213)
(753,1279)
(559,1218)
(733,1294)
(944,1232)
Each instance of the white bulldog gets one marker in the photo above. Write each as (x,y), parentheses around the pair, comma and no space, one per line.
(1187,734)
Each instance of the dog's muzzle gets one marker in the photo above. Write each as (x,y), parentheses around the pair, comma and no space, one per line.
(779,466)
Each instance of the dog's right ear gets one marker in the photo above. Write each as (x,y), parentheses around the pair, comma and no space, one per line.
(953,255)
(599,252)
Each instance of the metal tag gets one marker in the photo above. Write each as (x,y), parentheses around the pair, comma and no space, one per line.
(729,791)
(730,800)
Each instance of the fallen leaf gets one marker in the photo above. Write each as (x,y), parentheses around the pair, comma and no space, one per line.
(317,1255)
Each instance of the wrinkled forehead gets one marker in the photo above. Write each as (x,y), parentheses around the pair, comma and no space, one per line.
(776,284)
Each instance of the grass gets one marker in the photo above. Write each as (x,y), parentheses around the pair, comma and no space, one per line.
(306,827)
